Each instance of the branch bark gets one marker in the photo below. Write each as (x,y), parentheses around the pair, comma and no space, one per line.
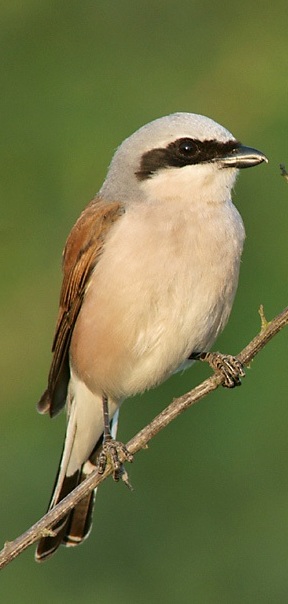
(14,548)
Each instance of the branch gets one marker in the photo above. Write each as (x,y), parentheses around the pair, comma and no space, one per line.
(12,549)
(284,172)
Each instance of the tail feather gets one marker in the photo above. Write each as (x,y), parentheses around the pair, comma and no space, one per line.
(75,527)
(80,521)
(49,544)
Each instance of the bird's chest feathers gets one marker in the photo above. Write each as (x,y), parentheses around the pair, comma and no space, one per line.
(182,247)
(163,288)
(175,268)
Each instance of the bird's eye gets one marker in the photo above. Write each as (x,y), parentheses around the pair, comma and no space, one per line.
(187,147)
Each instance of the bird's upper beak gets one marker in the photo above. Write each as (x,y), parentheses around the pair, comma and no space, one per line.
(242,157)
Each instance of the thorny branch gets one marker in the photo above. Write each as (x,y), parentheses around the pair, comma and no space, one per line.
(12,549)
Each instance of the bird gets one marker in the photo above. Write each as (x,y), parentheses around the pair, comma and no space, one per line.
(150,271)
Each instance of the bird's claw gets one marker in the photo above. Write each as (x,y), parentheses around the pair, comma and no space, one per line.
(226,365)
(115,452)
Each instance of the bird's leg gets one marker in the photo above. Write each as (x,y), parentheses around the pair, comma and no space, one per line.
(224,364)
(113,450)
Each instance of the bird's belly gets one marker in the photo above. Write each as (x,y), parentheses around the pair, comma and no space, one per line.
(189,323)
(145,312)
(131,342)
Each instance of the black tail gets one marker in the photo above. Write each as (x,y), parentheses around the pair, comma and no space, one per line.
(74,527)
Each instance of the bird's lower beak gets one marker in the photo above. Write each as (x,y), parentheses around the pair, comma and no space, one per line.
(242,157)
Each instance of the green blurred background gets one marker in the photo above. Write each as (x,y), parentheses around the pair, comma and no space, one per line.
(208,519)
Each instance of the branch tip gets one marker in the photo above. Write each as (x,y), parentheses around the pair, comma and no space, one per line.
(264,322)
(284,172)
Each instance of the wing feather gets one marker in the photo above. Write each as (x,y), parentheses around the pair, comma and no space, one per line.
(81,254)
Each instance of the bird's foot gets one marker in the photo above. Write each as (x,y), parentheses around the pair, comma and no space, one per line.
(226,365)
(114,452)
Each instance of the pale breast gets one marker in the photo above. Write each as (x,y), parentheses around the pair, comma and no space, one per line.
(163,287)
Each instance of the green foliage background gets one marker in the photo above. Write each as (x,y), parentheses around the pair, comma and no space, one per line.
(208,519)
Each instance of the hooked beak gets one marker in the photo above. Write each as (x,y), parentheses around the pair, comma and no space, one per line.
(242,157)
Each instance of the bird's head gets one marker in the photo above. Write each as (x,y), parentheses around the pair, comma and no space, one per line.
(182,154)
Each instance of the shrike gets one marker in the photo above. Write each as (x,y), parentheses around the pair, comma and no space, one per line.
(150,273)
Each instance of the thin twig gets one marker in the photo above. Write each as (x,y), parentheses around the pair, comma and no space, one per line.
(284,172)
(12,549)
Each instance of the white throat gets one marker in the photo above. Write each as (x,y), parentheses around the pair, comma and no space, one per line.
(196,184)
